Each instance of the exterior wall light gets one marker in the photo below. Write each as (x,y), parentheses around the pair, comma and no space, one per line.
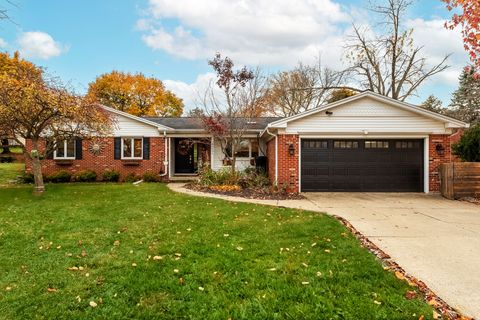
(291,149)
(439,149)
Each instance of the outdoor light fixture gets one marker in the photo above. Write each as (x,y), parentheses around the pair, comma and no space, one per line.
(365,132)
(439,149)
(291,149)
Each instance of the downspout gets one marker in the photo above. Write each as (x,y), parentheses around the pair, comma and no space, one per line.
(276,154)
(165,161)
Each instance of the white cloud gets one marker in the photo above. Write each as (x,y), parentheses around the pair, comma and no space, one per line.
(3,43)
(254,32)
(37,44)
(438,42)
(192,93)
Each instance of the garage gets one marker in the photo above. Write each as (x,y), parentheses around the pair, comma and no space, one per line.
(362,165)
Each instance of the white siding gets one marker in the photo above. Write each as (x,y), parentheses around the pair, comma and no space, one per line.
(126,127)
(366,114)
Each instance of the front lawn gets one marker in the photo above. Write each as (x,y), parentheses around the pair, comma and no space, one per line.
(10,171)
(99,251)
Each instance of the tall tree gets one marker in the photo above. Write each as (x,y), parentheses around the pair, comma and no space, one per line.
(301,89)
(465,104)
(228,110)
(36,109)
(135,94)
(469,20)
(387,61)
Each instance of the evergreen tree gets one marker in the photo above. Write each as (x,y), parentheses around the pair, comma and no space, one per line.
(434,104)
(465,104)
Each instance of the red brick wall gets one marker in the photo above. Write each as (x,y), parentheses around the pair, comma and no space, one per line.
(105,160)
(271,160)
(288,169)
(435,159)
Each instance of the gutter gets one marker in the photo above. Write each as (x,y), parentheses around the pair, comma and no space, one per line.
(276,154)
(165,161)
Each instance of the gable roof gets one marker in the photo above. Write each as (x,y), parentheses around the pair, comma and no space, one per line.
(282,123)
(139,119)
(192,123)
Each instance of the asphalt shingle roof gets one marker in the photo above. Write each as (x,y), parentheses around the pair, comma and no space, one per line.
(192,123)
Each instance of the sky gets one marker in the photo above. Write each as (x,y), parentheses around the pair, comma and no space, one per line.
(173,39)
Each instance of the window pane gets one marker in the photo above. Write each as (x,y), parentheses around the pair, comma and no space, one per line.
(243,149)
(137,148)
(127,147)
(60,149)
(71,149)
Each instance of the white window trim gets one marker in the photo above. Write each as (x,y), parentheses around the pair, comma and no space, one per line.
(249,151)
(133,151)
(65,157)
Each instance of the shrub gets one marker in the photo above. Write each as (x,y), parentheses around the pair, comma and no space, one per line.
(85,176)
(151,177)
(27,177)
(131,177)
(250,178)
(61,176)
(111,176)
(468,148)
(6,159)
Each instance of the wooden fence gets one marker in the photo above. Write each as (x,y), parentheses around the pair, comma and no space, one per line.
(460,180)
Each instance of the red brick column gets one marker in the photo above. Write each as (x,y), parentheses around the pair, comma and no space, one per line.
(436,158)
(288,169)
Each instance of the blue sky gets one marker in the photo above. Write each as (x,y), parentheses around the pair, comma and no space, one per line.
(172,39)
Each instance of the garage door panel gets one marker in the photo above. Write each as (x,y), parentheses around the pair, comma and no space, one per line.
(362,165)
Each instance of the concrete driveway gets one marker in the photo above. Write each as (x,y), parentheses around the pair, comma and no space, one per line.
(434,239)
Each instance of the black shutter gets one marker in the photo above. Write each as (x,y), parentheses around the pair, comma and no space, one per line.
(146,148)
(49,149)
(117,148)
(78,149)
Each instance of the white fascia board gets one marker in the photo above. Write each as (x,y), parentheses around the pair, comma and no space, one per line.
(139,119)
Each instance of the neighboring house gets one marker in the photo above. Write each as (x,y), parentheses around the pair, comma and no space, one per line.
(367,142)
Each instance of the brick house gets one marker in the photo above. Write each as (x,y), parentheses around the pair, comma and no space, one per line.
(367,142)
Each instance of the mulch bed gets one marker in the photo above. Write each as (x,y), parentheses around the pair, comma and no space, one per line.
(249,193)
(444,310)
(471,200)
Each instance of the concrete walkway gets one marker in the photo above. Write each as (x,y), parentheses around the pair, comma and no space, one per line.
(434,239)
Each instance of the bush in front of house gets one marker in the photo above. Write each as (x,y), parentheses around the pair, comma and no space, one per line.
(468,148)
(253,179)
(6,159)
(131,177)
(249,178)
(85,176)
(61,176)
(27,177)
(150,177)
(111,176)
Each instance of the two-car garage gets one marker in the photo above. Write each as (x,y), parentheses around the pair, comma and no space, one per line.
(375,165)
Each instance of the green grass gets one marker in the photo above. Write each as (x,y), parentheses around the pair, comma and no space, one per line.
(228,249)
(9,171)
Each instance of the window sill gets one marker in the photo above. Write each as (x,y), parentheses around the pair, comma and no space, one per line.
(63,162)
(131,162)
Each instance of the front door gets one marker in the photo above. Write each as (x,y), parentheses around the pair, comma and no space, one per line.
(184,157)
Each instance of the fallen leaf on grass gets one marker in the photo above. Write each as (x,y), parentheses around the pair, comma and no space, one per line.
(8,288)
(399,275)
(51,290)
(239,248)
(176,271)
(134,264)
(157,258)
(319,274)
(73,269)
(327,250)
(84,253)
(93,304)
(305,282)
(435,315)
(181,281)
(409,295)
(377,302)
(201,288)
(272,269)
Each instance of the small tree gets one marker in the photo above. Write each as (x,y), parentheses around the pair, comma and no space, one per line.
(434,104)
(136,94)
(227,112)
(468,148)
(340,94)
(39,109)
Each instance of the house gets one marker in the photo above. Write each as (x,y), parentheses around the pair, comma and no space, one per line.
(366,142)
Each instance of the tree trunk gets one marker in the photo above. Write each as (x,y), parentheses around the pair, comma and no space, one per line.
(39,187)
(5,147)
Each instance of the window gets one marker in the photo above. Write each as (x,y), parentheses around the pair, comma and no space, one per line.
(376,144)
(407,144)
(243,149)
(132,148)
(247,148)
(315,144)
(345,144)
(65,150)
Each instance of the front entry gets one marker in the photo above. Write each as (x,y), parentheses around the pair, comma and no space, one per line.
(184,156)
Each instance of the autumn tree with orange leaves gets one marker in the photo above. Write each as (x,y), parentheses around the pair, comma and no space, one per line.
(135,94)
(469,20)
(41,111)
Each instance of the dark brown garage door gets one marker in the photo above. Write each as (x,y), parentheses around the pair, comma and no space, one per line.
(377,165)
